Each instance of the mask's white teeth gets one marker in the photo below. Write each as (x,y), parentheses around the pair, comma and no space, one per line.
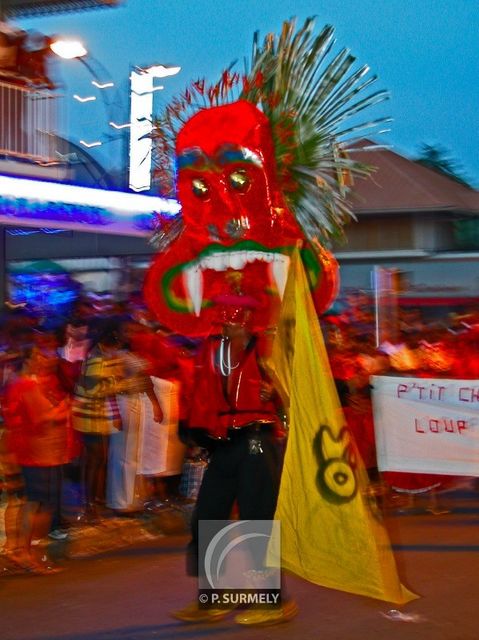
(193,276)
(237,260)
(279,271)
(193,282)
(226,260)
(214,262)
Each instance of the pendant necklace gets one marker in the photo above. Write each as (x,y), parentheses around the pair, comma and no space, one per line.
(225,363)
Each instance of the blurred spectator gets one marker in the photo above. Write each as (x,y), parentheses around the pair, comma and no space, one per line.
(140,410)
(37,417)
(73,351)
(96,413)
(168,370)
(152,450)
(12,484)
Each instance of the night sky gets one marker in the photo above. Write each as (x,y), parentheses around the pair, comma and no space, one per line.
(425,53)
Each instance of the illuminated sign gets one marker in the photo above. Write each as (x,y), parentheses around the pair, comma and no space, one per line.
(141,122)
(33,203)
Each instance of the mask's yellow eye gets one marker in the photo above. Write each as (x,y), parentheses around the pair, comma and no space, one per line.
(200,188)
(240,180)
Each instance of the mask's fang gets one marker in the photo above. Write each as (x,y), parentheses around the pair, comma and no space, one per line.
(279,272)
(193,282)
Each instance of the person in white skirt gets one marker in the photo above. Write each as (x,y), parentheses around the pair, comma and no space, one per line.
(147,448)
(163,452)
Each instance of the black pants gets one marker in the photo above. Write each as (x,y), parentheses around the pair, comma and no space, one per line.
(95,461)
(234,473)
(43,485)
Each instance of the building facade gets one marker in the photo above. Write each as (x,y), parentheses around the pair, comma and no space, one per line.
(419,223)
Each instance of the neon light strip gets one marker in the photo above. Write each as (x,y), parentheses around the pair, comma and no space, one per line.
(85,99)
(120,126)
(90,145)
(102,85)
(141,113)
(30,232)
(117,201)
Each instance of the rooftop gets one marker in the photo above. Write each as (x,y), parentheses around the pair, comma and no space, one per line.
(400,184)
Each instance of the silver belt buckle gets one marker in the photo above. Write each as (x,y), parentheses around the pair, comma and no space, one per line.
(254,444)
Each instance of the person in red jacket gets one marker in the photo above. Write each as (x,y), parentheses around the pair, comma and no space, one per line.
(38,422)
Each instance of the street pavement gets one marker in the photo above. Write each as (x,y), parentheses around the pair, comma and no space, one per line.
(127,593)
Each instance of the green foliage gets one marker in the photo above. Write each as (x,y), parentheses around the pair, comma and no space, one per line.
(439,158)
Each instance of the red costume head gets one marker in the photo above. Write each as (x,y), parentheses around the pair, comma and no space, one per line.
(258,177)
(235,222)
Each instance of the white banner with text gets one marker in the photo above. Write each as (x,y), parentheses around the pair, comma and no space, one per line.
(426,425)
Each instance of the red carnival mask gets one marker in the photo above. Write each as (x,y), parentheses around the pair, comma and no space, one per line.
(235,223)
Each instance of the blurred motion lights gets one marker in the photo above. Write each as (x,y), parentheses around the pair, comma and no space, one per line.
(121,202)
(102,85)
(85,99)
(119,126)
(90,145)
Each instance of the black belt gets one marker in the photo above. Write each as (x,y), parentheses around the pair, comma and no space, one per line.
(251,427)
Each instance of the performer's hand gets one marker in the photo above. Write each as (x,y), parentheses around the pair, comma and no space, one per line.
(266,391)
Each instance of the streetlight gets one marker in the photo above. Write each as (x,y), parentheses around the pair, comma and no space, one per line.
(75,50)
(71,49)
(142,89)
(68,49)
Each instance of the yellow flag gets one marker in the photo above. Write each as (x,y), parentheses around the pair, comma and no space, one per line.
(331,531)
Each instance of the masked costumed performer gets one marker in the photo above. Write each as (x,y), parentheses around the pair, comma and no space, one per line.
(236,185)
(229,178)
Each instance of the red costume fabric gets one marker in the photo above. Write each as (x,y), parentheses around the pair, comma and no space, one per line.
(221,402)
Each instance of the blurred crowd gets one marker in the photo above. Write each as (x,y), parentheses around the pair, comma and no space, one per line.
(95,400)
(414,345)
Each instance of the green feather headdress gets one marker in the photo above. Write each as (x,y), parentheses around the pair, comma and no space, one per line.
(311,97)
